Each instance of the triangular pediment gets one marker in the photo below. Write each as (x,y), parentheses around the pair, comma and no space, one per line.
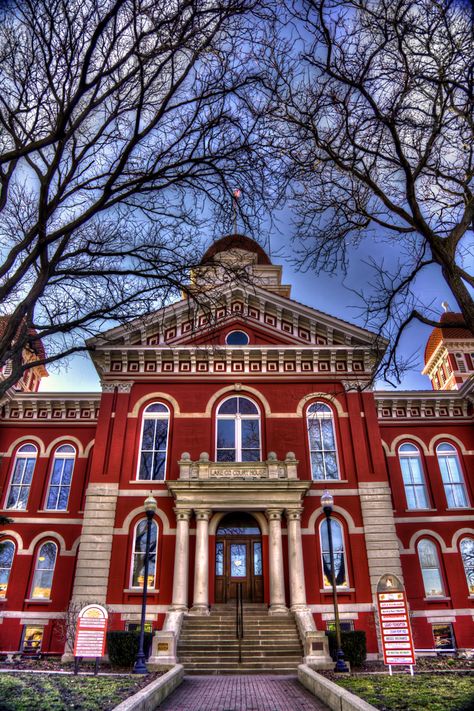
(272,318)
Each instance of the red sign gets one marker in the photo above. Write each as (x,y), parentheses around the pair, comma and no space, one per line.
(397,642)
(90,632)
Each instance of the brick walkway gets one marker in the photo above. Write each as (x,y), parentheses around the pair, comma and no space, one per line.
(241,693)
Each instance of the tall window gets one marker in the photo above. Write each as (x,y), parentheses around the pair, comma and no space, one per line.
(138,556)
(430,568)
(22,475)
(44,570)
(413,479)
(154,442)
(61,476)
(238,431)
(467,555)
(322,442)
(7,551)
(340,568)
(453,481)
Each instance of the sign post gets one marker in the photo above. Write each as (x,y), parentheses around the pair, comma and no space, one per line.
(90,635)
(397,640)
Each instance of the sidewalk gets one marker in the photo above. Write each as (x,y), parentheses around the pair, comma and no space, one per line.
(242,693)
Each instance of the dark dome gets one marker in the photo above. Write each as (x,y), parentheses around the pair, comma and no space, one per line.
(235,242)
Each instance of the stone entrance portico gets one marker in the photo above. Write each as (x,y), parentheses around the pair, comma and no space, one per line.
(271,488)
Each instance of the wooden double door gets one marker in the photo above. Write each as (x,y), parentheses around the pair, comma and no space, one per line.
(239,560)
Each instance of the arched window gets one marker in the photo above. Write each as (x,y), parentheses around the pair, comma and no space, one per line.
(238,431)
(44,570)
(430,568)
(322,442)
(61,476)
(340,567)
(138,556)
(413,478)
(467,555)
(7,551)
(154,442)
(22,475)
(452,477)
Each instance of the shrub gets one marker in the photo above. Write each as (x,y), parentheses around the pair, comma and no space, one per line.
(354,646)
(122,647)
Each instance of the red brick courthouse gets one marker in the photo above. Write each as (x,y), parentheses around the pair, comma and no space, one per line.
(237,418)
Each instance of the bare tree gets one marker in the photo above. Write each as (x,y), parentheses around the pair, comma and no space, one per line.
(373,103)
(120,121)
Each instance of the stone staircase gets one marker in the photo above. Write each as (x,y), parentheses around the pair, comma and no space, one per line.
(207,645)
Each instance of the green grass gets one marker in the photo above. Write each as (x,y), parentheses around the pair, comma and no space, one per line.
(423,692)
(54,692)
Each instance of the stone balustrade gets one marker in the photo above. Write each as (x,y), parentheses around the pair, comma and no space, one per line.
(272,468)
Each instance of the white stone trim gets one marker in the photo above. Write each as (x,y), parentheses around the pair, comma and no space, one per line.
(449,438)
(66,439)
(459,534)
(346,608)
(236,388)
(16,536)
(392,450)
(443,613)
(351,527)
(152,397)
(125,528)
(46,535)
(29,616)
(321,396)
(422,534)
(432,519)
(219,515)
(48,520)
(23,439)
(337,492)
(144,492)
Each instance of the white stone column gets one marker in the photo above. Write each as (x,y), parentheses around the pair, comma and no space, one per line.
(277,580)
(201,564)
(181,561)
(295,560)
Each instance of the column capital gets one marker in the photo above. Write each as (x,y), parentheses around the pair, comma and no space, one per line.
(274,514)
(182,514)
(202,514)
(294,514)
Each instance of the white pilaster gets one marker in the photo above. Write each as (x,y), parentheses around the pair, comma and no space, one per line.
(181,561)
(295,560)
(277,580)
(201,564)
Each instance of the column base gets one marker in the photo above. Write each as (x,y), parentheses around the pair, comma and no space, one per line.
(299,607)
(278,610)
(177,608)
(199,610)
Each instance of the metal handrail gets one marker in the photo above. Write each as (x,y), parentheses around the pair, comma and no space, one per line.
(239,618)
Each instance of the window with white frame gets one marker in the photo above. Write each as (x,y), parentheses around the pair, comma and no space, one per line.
(7,551)
(322,442)
(154,442)
(238,431)
(340,567)
(461,363)
(21,477)
(413,477)
(430,568)
(138,555)
(467,554)
(453,481)
(61,477)
(44,571)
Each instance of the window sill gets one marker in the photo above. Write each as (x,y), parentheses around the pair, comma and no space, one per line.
(149,482)
(440,598)
(138,591)
(51,511)
(339,591)
(39,601)
(418,510)
(330,481)
(459,508)
(14,511)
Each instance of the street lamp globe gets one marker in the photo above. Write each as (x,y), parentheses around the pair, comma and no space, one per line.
(327,500)
(150,504)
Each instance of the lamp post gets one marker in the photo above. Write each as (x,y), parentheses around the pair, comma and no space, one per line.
(327,502)
(150,506)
